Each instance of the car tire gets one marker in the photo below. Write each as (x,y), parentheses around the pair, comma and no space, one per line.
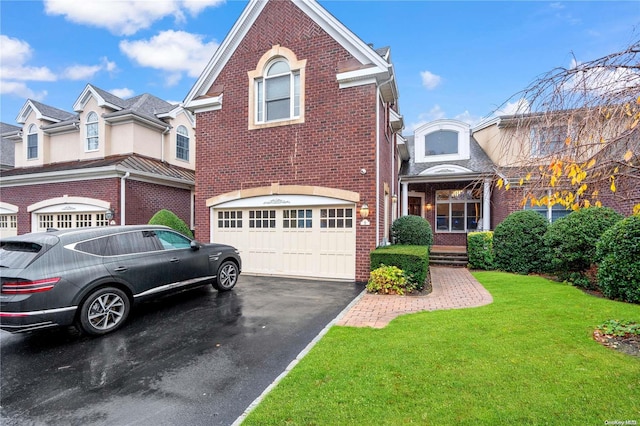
(227,276)
(104,311)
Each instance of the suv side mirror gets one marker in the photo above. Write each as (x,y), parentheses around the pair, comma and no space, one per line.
(194,245)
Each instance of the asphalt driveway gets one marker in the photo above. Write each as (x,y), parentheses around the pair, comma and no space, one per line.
(198,357)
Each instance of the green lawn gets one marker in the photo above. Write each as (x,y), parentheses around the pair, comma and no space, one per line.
(528,358)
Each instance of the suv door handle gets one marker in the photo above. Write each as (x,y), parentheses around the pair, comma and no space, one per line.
(174,260)
(120,269)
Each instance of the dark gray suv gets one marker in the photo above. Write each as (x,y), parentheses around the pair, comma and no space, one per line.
(90,277)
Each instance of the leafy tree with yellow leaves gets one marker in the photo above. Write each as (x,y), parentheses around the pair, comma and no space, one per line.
(582,125)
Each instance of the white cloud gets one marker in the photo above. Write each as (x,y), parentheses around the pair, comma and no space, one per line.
(600,80)
(123,93)
(86,72)
(468,118)
(124,17)
(21,90)
(430,80)
(434,113)
(175,52)
(14,56)
(521,106)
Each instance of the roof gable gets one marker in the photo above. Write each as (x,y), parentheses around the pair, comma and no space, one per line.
(375,66)
(43,112)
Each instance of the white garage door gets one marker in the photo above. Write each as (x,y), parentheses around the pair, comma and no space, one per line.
(317,241)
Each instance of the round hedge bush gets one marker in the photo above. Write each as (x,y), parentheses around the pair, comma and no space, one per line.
(168,218)
(618,252)
(518,242)
(412,231)
(571,241)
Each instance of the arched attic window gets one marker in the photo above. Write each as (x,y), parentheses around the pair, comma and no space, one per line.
(93,141)
(276,89)
(32,142)
(182,143)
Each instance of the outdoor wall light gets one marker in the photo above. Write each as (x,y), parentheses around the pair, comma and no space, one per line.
(429,206)
(364,214)
(394,198)
(108,214)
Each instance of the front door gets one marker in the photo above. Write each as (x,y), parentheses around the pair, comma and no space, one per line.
(415,206)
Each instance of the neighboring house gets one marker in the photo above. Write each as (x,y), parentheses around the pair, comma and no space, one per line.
(7,147)
(111,161)
(449,173)
(297,128)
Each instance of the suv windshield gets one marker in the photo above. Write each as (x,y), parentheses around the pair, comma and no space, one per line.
(18,254)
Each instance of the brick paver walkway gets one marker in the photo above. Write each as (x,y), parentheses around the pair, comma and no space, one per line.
(453,288)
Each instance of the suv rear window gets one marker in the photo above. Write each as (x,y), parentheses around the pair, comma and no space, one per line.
(18,254)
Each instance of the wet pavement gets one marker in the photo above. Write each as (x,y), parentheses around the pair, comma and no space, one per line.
(198,357)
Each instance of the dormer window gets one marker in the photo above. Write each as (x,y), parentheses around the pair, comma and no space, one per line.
(276,89)
(182,143)
(92,132)
(442,140)
(32,142)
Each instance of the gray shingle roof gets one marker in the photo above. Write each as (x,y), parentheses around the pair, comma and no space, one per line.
(7,147)
(52,112)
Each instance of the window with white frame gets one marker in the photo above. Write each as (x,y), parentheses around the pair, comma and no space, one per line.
(32,142)
(458,210)
(93,142)
(182,143)
(276,89)
(230,219)
(547,140)
(441,142)
(302,218)
(278,93)
(70,220)
(8,221)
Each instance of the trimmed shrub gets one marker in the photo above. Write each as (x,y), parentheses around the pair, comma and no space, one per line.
(412,231)
(518,242)
(168,218)
(388,280)
(571,242)
(618,252)
(480,250)
(413,260)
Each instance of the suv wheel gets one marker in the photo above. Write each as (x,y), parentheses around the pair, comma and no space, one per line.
(227,276)
(105,310)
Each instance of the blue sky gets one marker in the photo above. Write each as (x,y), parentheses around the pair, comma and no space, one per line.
(452,59)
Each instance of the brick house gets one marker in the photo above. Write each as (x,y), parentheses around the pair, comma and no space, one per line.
(112,161)
(449,173)
(297,129)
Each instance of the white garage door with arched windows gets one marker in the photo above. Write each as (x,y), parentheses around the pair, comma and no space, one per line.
(290,235)
(68,212)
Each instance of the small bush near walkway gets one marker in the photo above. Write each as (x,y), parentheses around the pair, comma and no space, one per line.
(412,231)
(480,250)
(168,218)
(412,260)
(518,242)
(619,254)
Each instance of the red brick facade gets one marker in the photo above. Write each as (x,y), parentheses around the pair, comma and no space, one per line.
(142,199)
(336,140)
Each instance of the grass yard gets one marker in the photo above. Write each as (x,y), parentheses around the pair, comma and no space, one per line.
(528,358)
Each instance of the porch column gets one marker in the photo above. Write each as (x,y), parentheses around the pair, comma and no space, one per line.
(405,198)
(486,205)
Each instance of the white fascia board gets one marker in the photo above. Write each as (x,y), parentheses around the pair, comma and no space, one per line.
(213,103)
(78,105)
(29,106)
(134,118)
(59,176)
(224,51)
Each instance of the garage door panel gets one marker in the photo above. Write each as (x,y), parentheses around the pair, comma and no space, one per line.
(316,241)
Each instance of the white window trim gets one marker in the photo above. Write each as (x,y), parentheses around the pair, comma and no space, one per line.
(86,135)
(32,130)
(464,138)
(188,136)
(449,202)
(296,67)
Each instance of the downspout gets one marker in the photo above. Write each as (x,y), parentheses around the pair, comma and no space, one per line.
(123,201)
(378,157)
(162,142)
